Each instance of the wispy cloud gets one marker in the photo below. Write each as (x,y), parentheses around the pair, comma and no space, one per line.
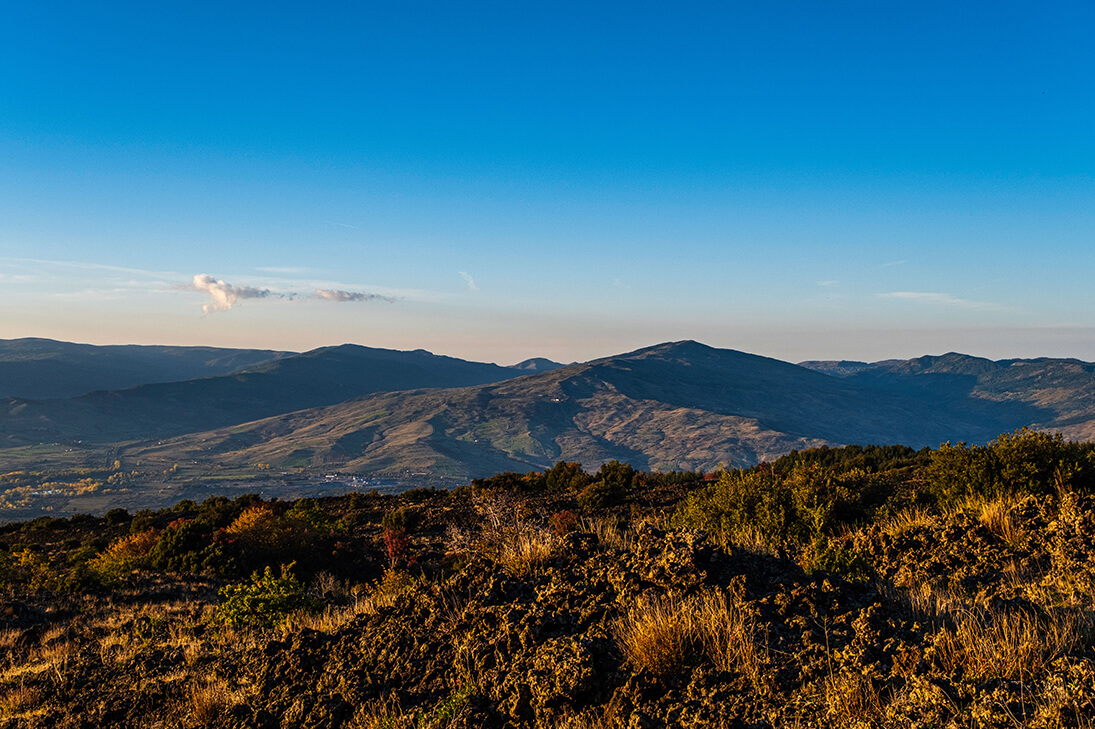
(894,263)
(7,278)
(827,283)
(291,270)
(939,299)
(469,280)
(92,267)
(339,295)
(225,295)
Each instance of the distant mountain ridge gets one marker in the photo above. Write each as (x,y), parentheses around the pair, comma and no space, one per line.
(677,405)
(317,378)
(680,405)
(39,369)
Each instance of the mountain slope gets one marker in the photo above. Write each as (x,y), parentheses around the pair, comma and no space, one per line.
(678,405)
(1061,390)
(43,368)
(312,379)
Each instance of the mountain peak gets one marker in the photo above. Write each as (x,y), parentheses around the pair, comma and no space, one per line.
(537,364)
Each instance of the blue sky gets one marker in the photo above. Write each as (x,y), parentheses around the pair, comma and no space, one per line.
(498,180)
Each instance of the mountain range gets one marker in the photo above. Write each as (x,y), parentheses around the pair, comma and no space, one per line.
(43,368)
(678,405)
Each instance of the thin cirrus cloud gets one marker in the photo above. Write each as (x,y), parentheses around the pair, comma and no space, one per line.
(469,281)
(225,295)
(939,299)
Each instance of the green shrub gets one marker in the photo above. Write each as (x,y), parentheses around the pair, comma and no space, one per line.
(116,516)
(566,476)
(266,601)
(400,519)
(189,546)
(1026,462)
(841,559)
(599,495)
(755,501)
(610,486)
(307,515)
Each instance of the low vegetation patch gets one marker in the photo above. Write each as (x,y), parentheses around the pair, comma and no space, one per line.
(858,587)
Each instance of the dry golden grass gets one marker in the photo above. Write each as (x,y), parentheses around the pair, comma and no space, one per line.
(9,637)
(390,715)
(852,700)
(656,634)
(208,700)
(523,550)
(914,517)
(330,619)
(728,632)
(19,700)
(662,634)
(752,540)
(608,532)
(1015,645)
(996,515)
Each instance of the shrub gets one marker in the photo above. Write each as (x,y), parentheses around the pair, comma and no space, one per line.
(1022,463)
(507,535)
(563,522)
(116,516)
(400,519)
(266,601)
(189,546)
(756,501)
(306,515)
(599,495)
(566,476)
(124,555)
(840,558)
(396,543)
(383,592)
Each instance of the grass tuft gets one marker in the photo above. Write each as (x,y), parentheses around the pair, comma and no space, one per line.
(209,700)
(1015,645)
(664,634)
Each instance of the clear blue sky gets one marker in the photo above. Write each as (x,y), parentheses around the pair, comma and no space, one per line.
(505,180)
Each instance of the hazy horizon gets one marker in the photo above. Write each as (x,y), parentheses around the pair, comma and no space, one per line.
(497,182)
(507,363)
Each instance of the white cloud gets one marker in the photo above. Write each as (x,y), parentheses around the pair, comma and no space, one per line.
(470,281)
(827,283)
(224,295)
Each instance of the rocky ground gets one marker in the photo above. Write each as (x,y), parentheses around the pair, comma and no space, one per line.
(500,610)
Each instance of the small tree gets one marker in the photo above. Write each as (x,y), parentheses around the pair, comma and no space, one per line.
(266,602)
